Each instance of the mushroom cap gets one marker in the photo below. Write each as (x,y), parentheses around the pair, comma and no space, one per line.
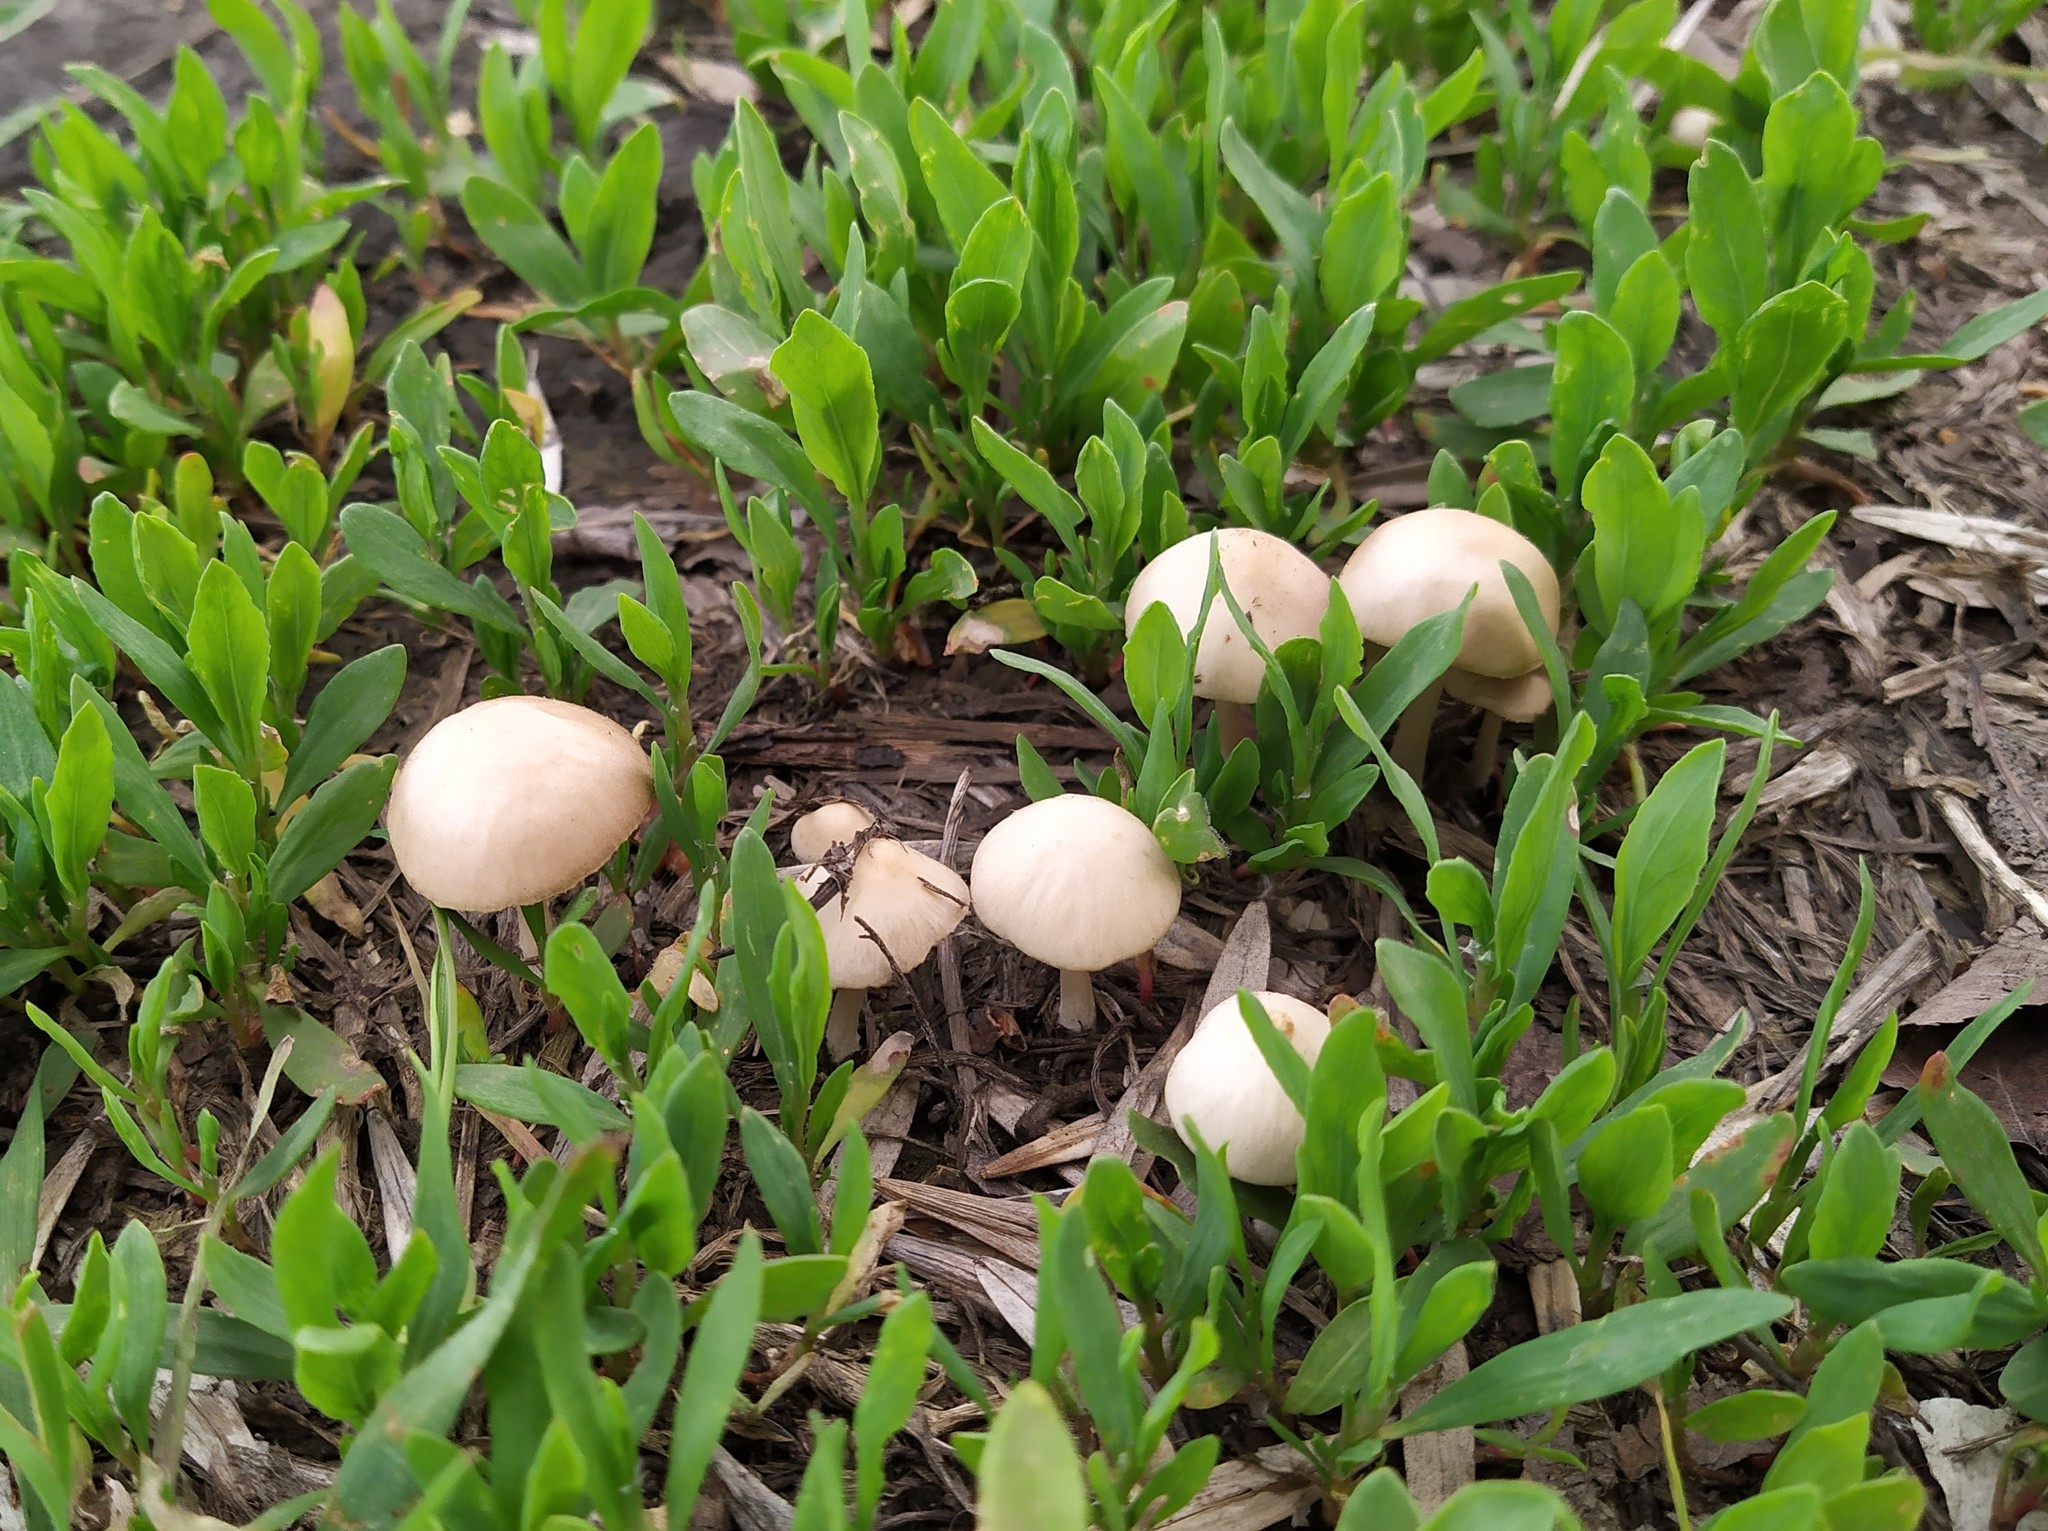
(827,825)
(1519,699)
(1075,881)
(909,900)
(1221,1084)
(1282,592)
(515,800)
(1417,565)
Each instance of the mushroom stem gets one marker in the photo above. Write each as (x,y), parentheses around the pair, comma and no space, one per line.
(1411,736)
(1077,1000)
(1486,752)
(1143,963)
(842,1027)
(1233,726)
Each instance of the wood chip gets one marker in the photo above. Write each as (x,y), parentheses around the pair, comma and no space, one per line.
(1009,1226)
(1063,1145)
(1820,774)
(754,1505)
(1863,1011)
(1984,856)
(1188,947)
(1014,1294)
(1554,1291)
(2019,956)
(1442,1462)
(1250,1494)
(395,1181)
(58,1184)
(1246,958)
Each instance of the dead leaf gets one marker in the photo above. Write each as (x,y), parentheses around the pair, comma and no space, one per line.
(327,900)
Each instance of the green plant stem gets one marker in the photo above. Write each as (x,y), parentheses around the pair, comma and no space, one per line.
(1671,1466)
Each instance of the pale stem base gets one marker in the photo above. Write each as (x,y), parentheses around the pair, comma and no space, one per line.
(1486,752)
(842,1027)
(1233,726)
(1411,736)
(1077,1000)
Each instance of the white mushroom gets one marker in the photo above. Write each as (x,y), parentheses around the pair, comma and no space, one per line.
(1424,563)
(515,800)
(1221,1085)
(829,824)
(1282,593)
(894,909)
(1080,883)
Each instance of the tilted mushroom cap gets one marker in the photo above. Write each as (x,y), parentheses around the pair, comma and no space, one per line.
(829,824)
(515,800)
(910,902)
(1075,881)
(1518,699)
(1221,1083)
(1417,565)
(1283,594)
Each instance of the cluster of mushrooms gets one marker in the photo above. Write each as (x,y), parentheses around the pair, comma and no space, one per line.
(479,820)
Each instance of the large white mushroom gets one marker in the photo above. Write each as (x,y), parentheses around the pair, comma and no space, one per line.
(1079,883)
(1282,593)
(885,919)
(1418,565)
(515,800)
(1221,1085)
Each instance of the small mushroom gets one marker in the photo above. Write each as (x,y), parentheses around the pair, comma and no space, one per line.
(515,800)
(829,824)
(1691,126)
(1281,592)
(1079,883)
(1418,565)
(1221,1085)
(880,921)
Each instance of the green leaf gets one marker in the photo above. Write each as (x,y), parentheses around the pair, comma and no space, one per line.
(1626,1170)
(349,708)
(131,406)
(373,1481)
(510,1091)
(961,185)
(79,803)
(228,649)
(1726,262)
(779,1172)
(1429,994)
(759,448)
(1592,382)
(521,236)
(1659,864)
(718,1355)
(1592,1360)
(895,1377)
(1980,336)
(333,823)
(832,392)
(1030,1474)
(1335,1366)
(383,542)
(1859,1194)
(620,228)
(1975,1148)
(320,1060)
(1780,356)
(1755,1415)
